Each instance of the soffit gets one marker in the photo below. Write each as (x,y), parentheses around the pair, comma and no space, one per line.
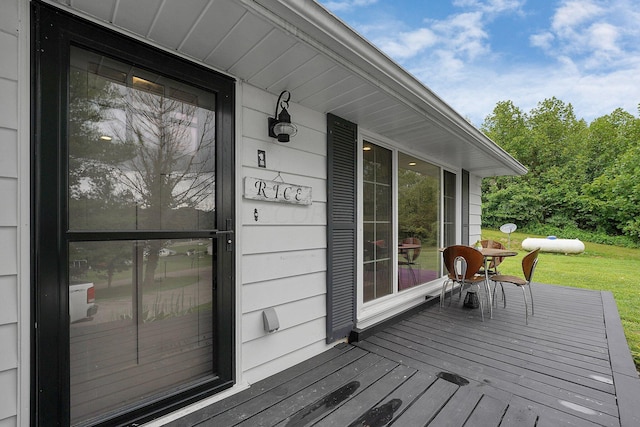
(299,46)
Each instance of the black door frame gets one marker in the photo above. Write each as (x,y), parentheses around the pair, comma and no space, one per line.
(53,32)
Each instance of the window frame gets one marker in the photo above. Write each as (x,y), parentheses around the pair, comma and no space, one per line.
(372,311)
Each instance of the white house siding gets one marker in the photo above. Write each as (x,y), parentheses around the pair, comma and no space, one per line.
(14,287)
(475,208)
(283,252)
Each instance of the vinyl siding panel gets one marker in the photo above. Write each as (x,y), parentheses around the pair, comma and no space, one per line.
(273,266)
(269,352)
(9,300)
(8,403)
(8,152)
(9,353)
(274,366)
(276,213)
(8,252)
(475,208)
(10,109)
(9,103)
(9,47)
(283,238)
(8,191)
(283,259)
(282,290)
(291,315)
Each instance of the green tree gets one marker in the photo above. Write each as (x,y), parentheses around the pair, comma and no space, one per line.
(613,198)
(581,176)
(507,126)
(609,137)
(545,140)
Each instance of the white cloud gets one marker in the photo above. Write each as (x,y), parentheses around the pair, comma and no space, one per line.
(604,37)
(596,36)
(447,60)
(464,34)
(409,44)
(461,36)
(573,13)
(491,6)
(542,40)
(475,90)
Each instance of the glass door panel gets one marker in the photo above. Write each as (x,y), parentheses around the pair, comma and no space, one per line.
(141,149)
(141,161)
(418,222)
(378,240)
(130,341)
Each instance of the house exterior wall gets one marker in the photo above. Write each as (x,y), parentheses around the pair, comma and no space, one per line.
(475,208)
(14,214)
(282,247)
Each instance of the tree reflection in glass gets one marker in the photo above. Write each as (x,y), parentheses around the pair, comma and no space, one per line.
(141,163)
(141,152)
(418,221)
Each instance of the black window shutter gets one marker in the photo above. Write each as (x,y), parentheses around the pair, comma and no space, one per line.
(341,227)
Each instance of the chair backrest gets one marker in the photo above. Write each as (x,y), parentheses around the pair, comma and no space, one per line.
(495,261)
(413,255)
(460,268)
(474,259)
(529,263)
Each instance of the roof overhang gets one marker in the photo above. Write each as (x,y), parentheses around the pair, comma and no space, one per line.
(300,46)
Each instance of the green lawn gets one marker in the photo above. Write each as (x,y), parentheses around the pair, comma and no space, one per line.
(600,267)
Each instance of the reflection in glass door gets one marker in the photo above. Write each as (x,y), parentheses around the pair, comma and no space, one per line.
(128,340)
(418,222)
(140,200)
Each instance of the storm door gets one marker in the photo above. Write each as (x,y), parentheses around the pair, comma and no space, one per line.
(134,210)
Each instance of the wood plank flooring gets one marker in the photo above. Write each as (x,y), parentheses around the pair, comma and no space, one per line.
(445,367)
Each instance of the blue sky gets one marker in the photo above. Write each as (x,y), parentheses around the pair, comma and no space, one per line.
(475,53)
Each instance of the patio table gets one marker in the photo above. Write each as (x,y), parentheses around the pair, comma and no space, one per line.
(489,254)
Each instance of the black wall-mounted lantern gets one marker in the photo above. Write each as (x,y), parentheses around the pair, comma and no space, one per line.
(280,125)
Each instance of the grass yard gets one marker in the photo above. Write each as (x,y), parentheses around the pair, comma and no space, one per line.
(600,267)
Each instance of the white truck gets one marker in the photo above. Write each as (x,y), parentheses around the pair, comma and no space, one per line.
(82,301)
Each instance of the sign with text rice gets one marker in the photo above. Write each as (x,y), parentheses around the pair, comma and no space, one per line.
(276,191)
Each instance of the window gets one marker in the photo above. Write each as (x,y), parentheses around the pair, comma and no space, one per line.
(378,239)
(419,207)
(449,223)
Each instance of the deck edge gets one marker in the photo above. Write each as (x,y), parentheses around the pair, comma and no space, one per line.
(625,376)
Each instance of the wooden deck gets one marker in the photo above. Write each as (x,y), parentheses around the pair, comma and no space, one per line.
(569,366)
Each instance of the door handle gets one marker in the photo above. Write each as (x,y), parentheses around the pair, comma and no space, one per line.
(221,232)
(227,232)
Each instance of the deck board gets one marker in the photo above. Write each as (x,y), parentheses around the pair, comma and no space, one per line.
(278,395)
(427,406)
(370,397)
(551,372)
(445,367)
(534,353)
